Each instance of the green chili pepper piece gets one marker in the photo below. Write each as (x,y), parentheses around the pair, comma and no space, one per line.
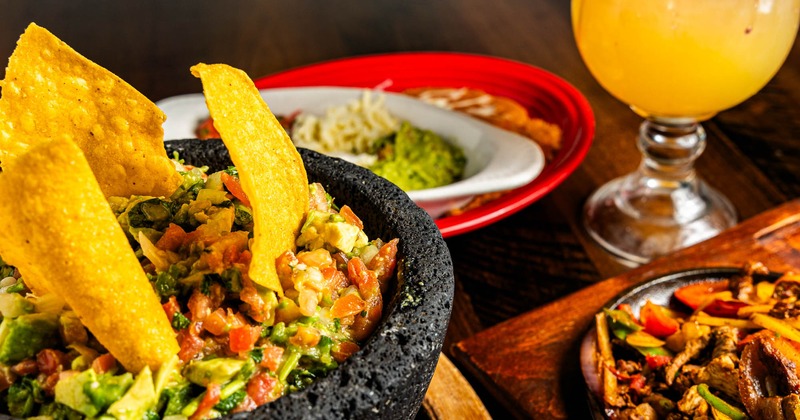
(719,404)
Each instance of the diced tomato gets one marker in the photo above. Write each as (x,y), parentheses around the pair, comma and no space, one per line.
(724,308)
(334,279)
(171,307)
(257,307)
(348,305)
(25,367)
(656,361)
(695,295)
(305,337)
(220,322)
(50,361)
(244,259)
(199,305)
(172,238)
(210,399)
(216,323)
(260,387)
(104,363)
(190,342)
(235,188)
(343,350)
(244,338)
(350,217)
(656,321)
(272,357)
(384,263)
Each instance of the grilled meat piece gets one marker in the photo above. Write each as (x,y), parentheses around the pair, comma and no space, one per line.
(692,349)
(693,405)
(742,285)
(769,380)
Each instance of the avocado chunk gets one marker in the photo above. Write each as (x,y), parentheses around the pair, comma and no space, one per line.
(26,335)
(140,398)
(167,374)
(218,371)
(89,393)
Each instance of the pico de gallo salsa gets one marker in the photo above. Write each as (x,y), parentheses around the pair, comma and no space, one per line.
(241,345)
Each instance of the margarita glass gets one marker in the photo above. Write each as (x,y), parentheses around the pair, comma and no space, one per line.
(676,63)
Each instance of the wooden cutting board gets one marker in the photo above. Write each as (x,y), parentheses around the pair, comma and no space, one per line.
(531,362)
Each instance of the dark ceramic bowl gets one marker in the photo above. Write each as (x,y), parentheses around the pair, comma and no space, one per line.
(389,376)
(659,290)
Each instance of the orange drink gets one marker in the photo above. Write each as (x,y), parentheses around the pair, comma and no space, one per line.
(684,58)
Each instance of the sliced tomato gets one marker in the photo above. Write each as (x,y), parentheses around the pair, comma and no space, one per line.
(235,188)
(656,321)
(697,294)
(244,338)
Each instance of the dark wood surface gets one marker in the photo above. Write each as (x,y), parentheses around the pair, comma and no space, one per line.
(504,270)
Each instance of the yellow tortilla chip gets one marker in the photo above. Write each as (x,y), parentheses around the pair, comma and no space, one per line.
(271,170)
(50,91)
(65,238)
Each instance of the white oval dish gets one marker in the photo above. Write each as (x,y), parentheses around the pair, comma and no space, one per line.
(497,159)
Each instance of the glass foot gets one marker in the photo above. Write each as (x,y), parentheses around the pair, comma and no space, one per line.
(637,223)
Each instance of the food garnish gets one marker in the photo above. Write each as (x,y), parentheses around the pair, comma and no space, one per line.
(59,231)
(271,170)
(50,91)
(739,362)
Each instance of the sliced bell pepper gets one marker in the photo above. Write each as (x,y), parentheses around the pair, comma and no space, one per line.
(656,321)
(724,308)
(721,405)
(621,322)
(695,295)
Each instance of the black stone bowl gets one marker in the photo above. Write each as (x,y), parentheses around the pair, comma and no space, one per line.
(389,376)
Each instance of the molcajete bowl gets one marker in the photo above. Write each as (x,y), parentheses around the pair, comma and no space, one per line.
(389,376)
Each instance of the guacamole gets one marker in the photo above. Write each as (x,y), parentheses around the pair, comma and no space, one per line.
(416,159)
(241,345)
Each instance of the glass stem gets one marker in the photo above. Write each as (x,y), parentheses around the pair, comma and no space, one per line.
(667,171)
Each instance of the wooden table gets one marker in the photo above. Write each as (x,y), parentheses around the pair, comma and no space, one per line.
(503,270)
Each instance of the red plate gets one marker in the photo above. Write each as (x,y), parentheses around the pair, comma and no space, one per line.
(544,95)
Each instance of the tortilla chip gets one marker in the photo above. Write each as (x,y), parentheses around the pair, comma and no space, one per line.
(271,170)
(65,238)
(51,91)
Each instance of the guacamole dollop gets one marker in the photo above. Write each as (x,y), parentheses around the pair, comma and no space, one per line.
(415,159)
